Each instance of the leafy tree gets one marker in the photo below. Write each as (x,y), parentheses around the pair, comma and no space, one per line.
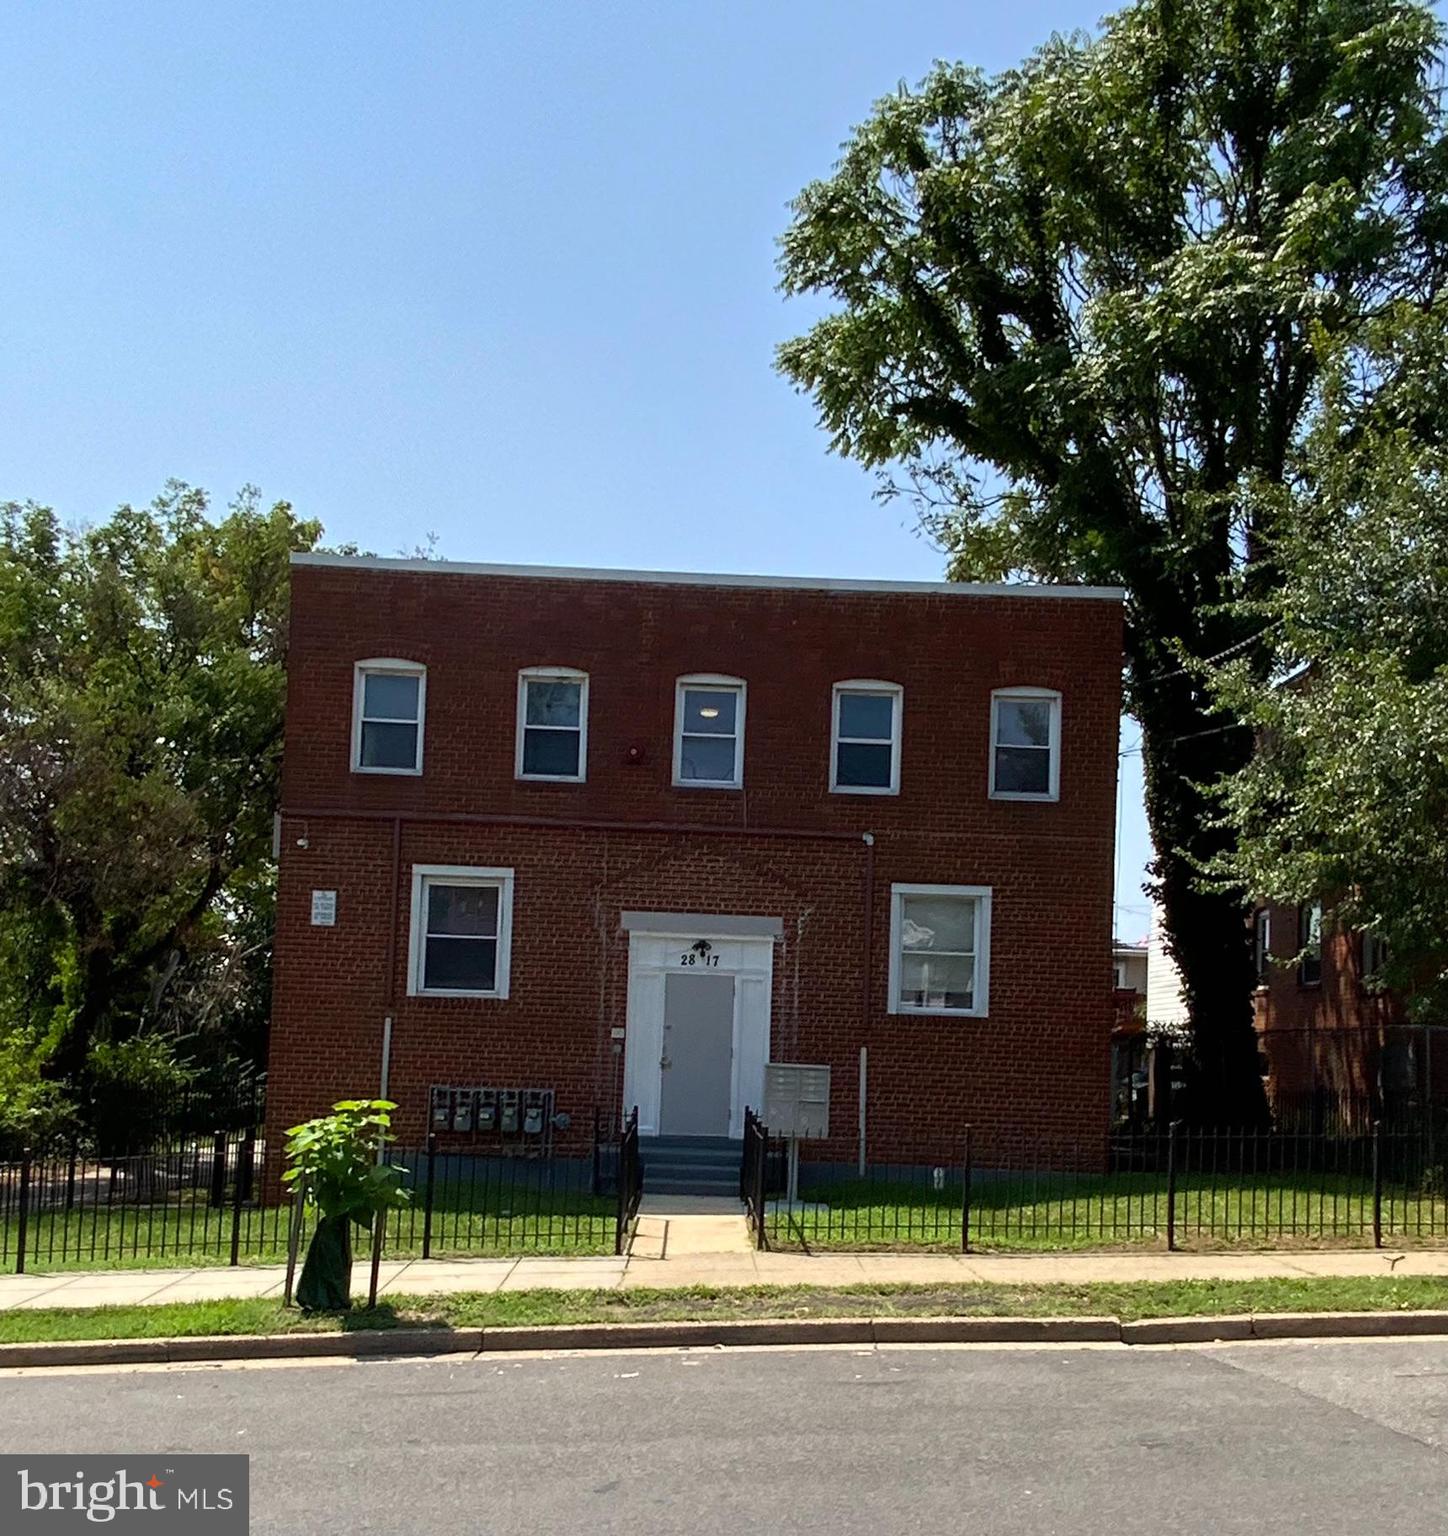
(1076,314)
(141,698)
(335,1164)
(1347,796)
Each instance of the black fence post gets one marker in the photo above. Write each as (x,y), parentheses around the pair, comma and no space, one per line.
(23,1228)
(70,1176)
(620,1203)
(1377,1183)
(379,1231)
(965,1196)
(238,1193)
(1171,1185)
(428,1195)
(218,1170)
(761,1184)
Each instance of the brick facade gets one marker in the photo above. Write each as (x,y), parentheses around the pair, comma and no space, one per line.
(1332,1039)
(627,839)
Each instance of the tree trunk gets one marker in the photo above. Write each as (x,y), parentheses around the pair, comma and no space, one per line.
(326,1283)
(1185,746)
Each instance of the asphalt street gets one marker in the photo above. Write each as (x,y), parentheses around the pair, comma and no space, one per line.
(1322,1438)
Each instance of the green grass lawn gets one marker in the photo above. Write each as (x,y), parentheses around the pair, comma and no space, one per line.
(702,1303)
(1059,1212)
(186,1232)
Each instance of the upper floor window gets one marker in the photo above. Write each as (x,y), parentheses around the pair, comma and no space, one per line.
(709,732)
(388,703)
(552,724)
(865,738)
(462,921)
(1261,944)
(940,949)
(1374,956)
(1309,943)
(1025,744)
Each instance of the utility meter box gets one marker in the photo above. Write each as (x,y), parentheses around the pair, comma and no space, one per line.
(797,1100)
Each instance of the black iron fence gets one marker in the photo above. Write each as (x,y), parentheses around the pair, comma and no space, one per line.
(192,1201)
(1178,1188)
(630,1189)
(213,1200)
(754,1180)
(1325,1080)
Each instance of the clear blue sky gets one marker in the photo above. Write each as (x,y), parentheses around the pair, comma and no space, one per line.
(503,272)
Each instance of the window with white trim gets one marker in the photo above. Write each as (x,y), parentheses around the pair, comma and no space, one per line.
(940,949)
(462,921)
(552,724)
(865,725)
(389,700)
(1374,956)
(1309,943)
(1025,744)
(1261,944)
(709,731)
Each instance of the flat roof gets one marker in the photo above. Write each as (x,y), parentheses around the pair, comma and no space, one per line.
(713,579)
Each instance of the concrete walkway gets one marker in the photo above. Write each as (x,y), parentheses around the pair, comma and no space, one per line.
(683,1249)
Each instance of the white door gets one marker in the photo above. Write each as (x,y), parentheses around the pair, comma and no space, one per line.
(708,991)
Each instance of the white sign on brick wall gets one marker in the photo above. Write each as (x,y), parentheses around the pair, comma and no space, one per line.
(324,909)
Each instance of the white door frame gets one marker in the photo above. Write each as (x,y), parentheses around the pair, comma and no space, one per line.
(652,957)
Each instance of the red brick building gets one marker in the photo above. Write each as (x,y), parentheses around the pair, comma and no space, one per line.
(616,838)
(1330,1040)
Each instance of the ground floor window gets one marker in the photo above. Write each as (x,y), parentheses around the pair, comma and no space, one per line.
(940,949)
(462,921)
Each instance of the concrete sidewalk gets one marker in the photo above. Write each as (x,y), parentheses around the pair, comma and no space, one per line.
(686,1250)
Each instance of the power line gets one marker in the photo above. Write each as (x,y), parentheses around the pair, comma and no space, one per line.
(1211,661)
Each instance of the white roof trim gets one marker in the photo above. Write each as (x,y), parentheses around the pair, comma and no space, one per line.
(710,579)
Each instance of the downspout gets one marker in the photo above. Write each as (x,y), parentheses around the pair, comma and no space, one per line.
(390,984)
(866,980)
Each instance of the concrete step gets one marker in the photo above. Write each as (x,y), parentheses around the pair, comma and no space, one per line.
(705,1165)
(717,1143)
(701,1187)
(686,1151)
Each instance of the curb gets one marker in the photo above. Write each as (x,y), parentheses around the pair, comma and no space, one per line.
(415,1342)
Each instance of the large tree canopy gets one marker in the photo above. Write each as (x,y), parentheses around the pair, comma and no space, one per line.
(1078,312)
(1346,797)
(141,697)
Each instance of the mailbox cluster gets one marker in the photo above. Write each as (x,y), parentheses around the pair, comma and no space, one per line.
(495,1118)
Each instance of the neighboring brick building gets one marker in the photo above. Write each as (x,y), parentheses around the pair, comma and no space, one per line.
(621,837)
(1330,1041)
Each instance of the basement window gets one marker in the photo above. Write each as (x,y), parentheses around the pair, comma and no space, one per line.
(552,724)
(462,920)
(940,949)
(388,703)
